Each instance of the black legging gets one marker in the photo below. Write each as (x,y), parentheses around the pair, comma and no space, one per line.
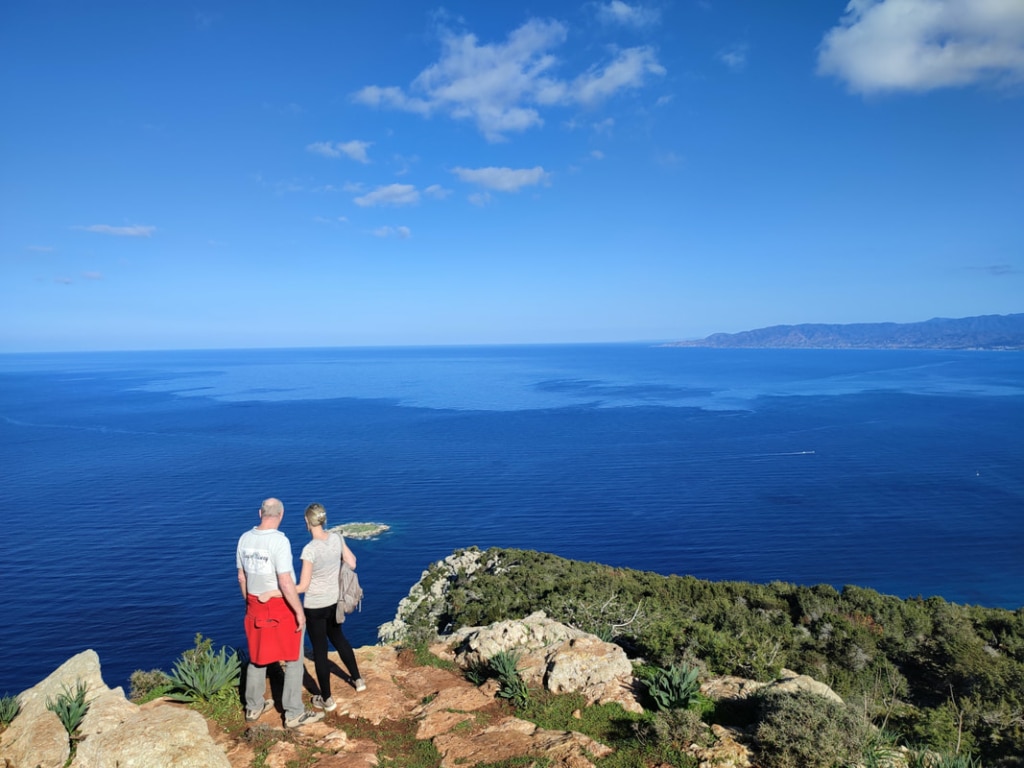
(321,626)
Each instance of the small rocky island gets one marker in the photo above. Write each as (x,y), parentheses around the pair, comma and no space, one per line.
(361,530)
(985,332)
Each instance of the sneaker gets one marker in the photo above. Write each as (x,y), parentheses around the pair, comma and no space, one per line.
(360,685)
(327,705)
(306,718)
(252,717)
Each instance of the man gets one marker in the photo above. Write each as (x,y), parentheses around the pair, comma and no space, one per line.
(274,628)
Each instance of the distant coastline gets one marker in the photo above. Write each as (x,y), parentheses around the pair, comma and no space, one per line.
(985,332)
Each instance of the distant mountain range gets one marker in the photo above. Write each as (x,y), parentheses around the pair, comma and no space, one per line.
(991,332)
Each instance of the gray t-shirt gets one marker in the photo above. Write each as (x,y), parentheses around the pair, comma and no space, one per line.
(263,554)
(325,555)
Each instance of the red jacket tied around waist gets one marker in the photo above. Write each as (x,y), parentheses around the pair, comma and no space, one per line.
(270,629)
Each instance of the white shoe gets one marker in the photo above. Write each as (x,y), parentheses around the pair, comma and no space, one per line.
(252,717)
(327,705)
(360,685)
(306,718)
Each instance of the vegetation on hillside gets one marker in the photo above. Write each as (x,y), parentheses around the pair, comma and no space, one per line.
(927,672)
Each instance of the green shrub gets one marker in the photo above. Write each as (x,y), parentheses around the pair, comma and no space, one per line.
(70,707)
(9,706)
(928,759)
(200,674)
(674,688)
(804,730)
(146,686)
(900,660)
(505,665)
(679,728)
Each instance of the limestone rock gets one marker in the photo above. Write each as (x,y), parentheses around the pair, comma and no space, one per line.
(560,658)
(439,577)
(731,688)
(730,747)
(163,736)
(36,736)
(790,682)
(32,741)
(513,737)
(113,732)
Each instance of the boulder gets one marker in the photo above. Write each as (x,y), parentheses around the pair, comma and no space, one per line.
(790,682)
(113,732)
(737,689)
(559,658)
(167,736)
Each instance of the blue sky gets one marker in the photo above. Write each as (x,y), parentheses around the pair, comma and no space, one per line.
(271,174)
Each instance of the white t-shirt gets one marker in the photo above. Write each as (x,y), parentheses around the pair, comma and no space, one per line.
(263,554)
(325,555)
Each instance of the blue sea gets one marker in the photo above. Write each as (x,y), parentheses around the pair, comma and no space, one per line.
(128,477)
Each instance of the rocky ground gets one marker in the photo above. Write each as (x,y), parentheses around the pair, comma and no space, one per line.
(467,724)
(405,703)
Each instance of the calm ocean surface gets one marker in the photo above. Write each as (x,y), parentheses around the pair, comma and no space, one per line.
(128,477)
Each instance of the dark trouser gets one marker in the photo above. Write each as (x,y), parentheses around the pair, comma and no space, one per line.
(321,627)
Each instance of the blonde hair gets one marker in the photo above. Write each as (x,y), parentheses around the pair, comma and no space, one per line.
(316,514)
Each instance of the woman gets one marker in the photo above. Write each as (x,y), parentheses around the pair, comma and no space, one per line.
(321,563)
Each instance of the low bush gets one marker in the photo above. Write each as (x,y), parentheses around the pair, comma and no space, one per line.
(928,759)
(678,728)
(146,686)
(804,730)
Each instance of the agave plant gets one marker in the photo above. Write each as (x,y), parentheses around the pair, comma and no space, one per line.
(675,687)
(9,707)
(201,676)
(505,665)
(70,707)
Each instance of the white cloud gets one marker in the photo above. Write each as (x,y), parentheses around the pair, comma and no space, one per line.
(734,57)
(480,198)
(403,233)
(502,87)
(669,159)
(205,20)
(92,275)
(437,192)
(628,70)
(130,231)
(920,45)
(597,154)
(392,194)
(618,12)
(375,96)
(356,150)
(503,179)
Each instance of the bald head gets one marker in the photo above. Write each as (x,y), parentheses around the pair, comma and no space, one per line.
(271,511)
